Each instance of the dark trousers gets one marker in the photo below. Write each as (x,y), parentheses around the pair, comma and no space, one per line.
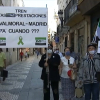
(21,57)
(28,55)
(1,70)
(55,90)
(91,89)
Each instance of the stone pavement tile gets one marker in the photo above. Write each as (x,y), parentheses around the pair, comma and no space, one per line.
(23,95)
(8,96)
(15,91)
(12,86)
(36,94)
(23,82)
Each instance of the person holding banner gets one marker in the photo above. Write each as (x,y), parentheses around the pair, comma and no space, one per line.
(50,73)
(89,73)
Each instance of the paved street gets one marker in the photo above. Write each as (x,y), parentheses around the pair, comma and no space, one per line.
(23,82)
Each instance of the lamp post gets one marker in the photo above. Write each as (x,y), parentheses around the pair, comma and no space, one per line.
(60,14)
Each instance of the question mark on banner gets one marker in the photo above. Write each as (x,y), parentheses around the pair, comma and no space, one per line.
(37,30)
(32,30)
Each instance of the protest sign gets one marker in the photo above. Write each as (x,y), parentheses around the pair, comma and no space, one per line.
(22,27)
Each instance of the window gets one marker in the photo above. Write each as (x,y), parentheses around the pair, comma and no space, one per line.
(6,49)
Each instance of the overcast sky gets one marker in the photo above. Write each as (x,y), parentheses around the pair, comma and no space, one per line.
(51,4)
(39,3)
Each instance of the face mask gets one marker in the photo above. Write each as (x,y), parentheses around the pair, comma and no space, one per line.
(67,53)
(57,51)
(92,52)
(49,51)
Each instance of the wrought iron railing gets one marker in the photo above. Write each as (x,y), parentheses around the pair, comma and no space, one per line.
(70,10)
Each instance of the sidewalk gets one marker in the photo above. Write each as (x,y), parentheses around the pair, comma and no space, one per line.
(13,85)
(23,82)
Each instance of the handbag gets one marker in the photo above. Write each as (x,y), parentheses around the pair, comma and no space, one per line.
(4,73)
(79,90)
(72,74)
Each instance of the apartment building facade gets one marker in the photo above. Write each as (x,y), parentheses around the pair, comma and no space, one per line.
(62,29)
(80,18)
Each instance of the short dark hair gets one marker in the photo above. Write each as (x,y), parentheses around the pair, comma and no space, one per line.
(91,45)
(67,48)
(57,48)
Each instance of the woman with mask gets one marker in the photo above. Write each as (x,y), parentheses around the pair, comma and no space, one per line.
(68,86)
(88,73)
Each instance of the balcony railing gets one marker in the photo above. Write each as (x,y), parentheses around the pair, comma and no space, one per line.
(70,9)
(73,9)
(62,30)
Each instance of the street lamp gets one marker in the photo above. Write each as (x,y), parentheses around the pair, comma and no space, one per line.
(60,14)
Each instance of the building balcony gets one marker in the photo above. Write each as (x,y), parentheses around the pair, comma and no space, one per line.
(62,30)
(71,13)
(80,1)
(88,7)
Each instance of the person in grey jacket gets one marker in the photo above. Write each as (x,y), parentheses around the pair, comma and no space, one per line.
(87,73)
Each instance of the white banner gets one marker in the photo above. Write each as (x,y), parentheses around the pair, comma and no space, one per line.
(22,27)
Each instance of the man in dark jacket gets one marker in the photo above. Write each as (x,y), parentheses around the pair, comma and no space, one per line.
(50,73)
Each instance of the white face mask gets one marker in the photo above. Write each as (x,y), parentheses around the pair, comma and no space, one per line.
(49,51)
(92,52)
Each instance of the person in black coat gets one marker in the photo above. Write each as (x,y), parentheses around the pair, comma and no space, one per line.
(50,73)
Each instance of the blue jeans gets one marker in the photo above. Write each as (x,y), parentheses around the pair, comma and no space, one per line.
(91,89)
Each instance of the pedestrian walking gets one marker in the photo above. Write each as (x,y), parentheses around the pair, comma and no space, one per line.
(2,62)
(50,73)
(58,52)
(21,55)
(37,53)
(67,84)
(26,55)
(89,72)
